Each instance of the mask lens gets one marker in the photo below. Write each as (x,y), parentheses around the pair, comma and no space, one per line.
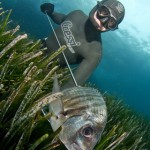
(112,24)
(103,11)
(105,16)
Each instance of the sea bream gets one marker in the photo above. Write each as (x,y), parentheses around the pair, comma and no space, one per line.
(82,114)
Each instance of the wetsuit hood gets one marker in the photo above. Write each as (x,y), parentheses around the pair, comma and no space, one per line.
(116,7)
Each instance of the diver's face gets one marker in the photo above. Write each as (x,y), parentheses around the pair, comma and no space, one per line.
(104,19)
(99,25)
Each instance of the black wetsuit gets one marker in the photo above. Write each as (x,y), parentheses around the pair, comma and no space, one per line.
(83,40)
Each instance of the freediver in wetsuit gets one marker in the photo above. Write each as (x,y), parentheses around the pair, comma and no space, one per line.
(82,35)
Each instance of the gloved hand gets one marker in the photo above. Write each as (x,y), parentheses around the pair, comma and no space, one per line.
(47,8)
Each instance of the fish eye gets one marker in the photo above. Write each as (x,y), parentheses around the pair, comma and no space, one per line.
(87,132)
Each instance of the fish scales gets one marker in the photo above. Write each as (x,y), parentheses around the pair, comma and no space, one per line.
(83,96)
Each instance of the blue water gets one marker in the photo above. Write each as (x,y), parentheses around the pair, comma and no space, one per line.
(125,67)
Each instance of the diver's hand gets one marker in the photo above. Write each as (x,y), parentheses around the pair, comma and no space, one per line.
(47,8)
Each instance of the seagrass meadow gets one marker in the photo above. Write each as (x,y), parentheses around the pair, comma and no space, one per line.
(26,75)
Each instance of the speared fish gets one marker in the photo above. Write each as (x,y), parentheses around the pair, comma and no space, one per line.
(82,115)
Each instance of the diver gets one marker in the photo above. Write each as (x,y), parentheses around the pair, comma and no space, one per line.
(82,35)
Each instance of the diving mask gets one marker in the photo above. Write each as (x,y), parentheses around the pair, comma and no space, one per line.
(107,17)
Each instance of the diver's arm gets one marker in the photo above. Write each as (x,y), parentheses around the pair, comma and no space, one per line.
(48,8)
(58,18)
(84,70)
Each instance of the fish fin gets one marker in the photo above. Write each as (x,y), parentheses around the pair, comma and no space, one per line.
(57,122)
(56,107)
(56,87)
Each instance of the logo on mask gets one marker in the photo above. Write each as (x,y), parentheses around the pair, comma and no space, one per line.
(120,8)
(68,36)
